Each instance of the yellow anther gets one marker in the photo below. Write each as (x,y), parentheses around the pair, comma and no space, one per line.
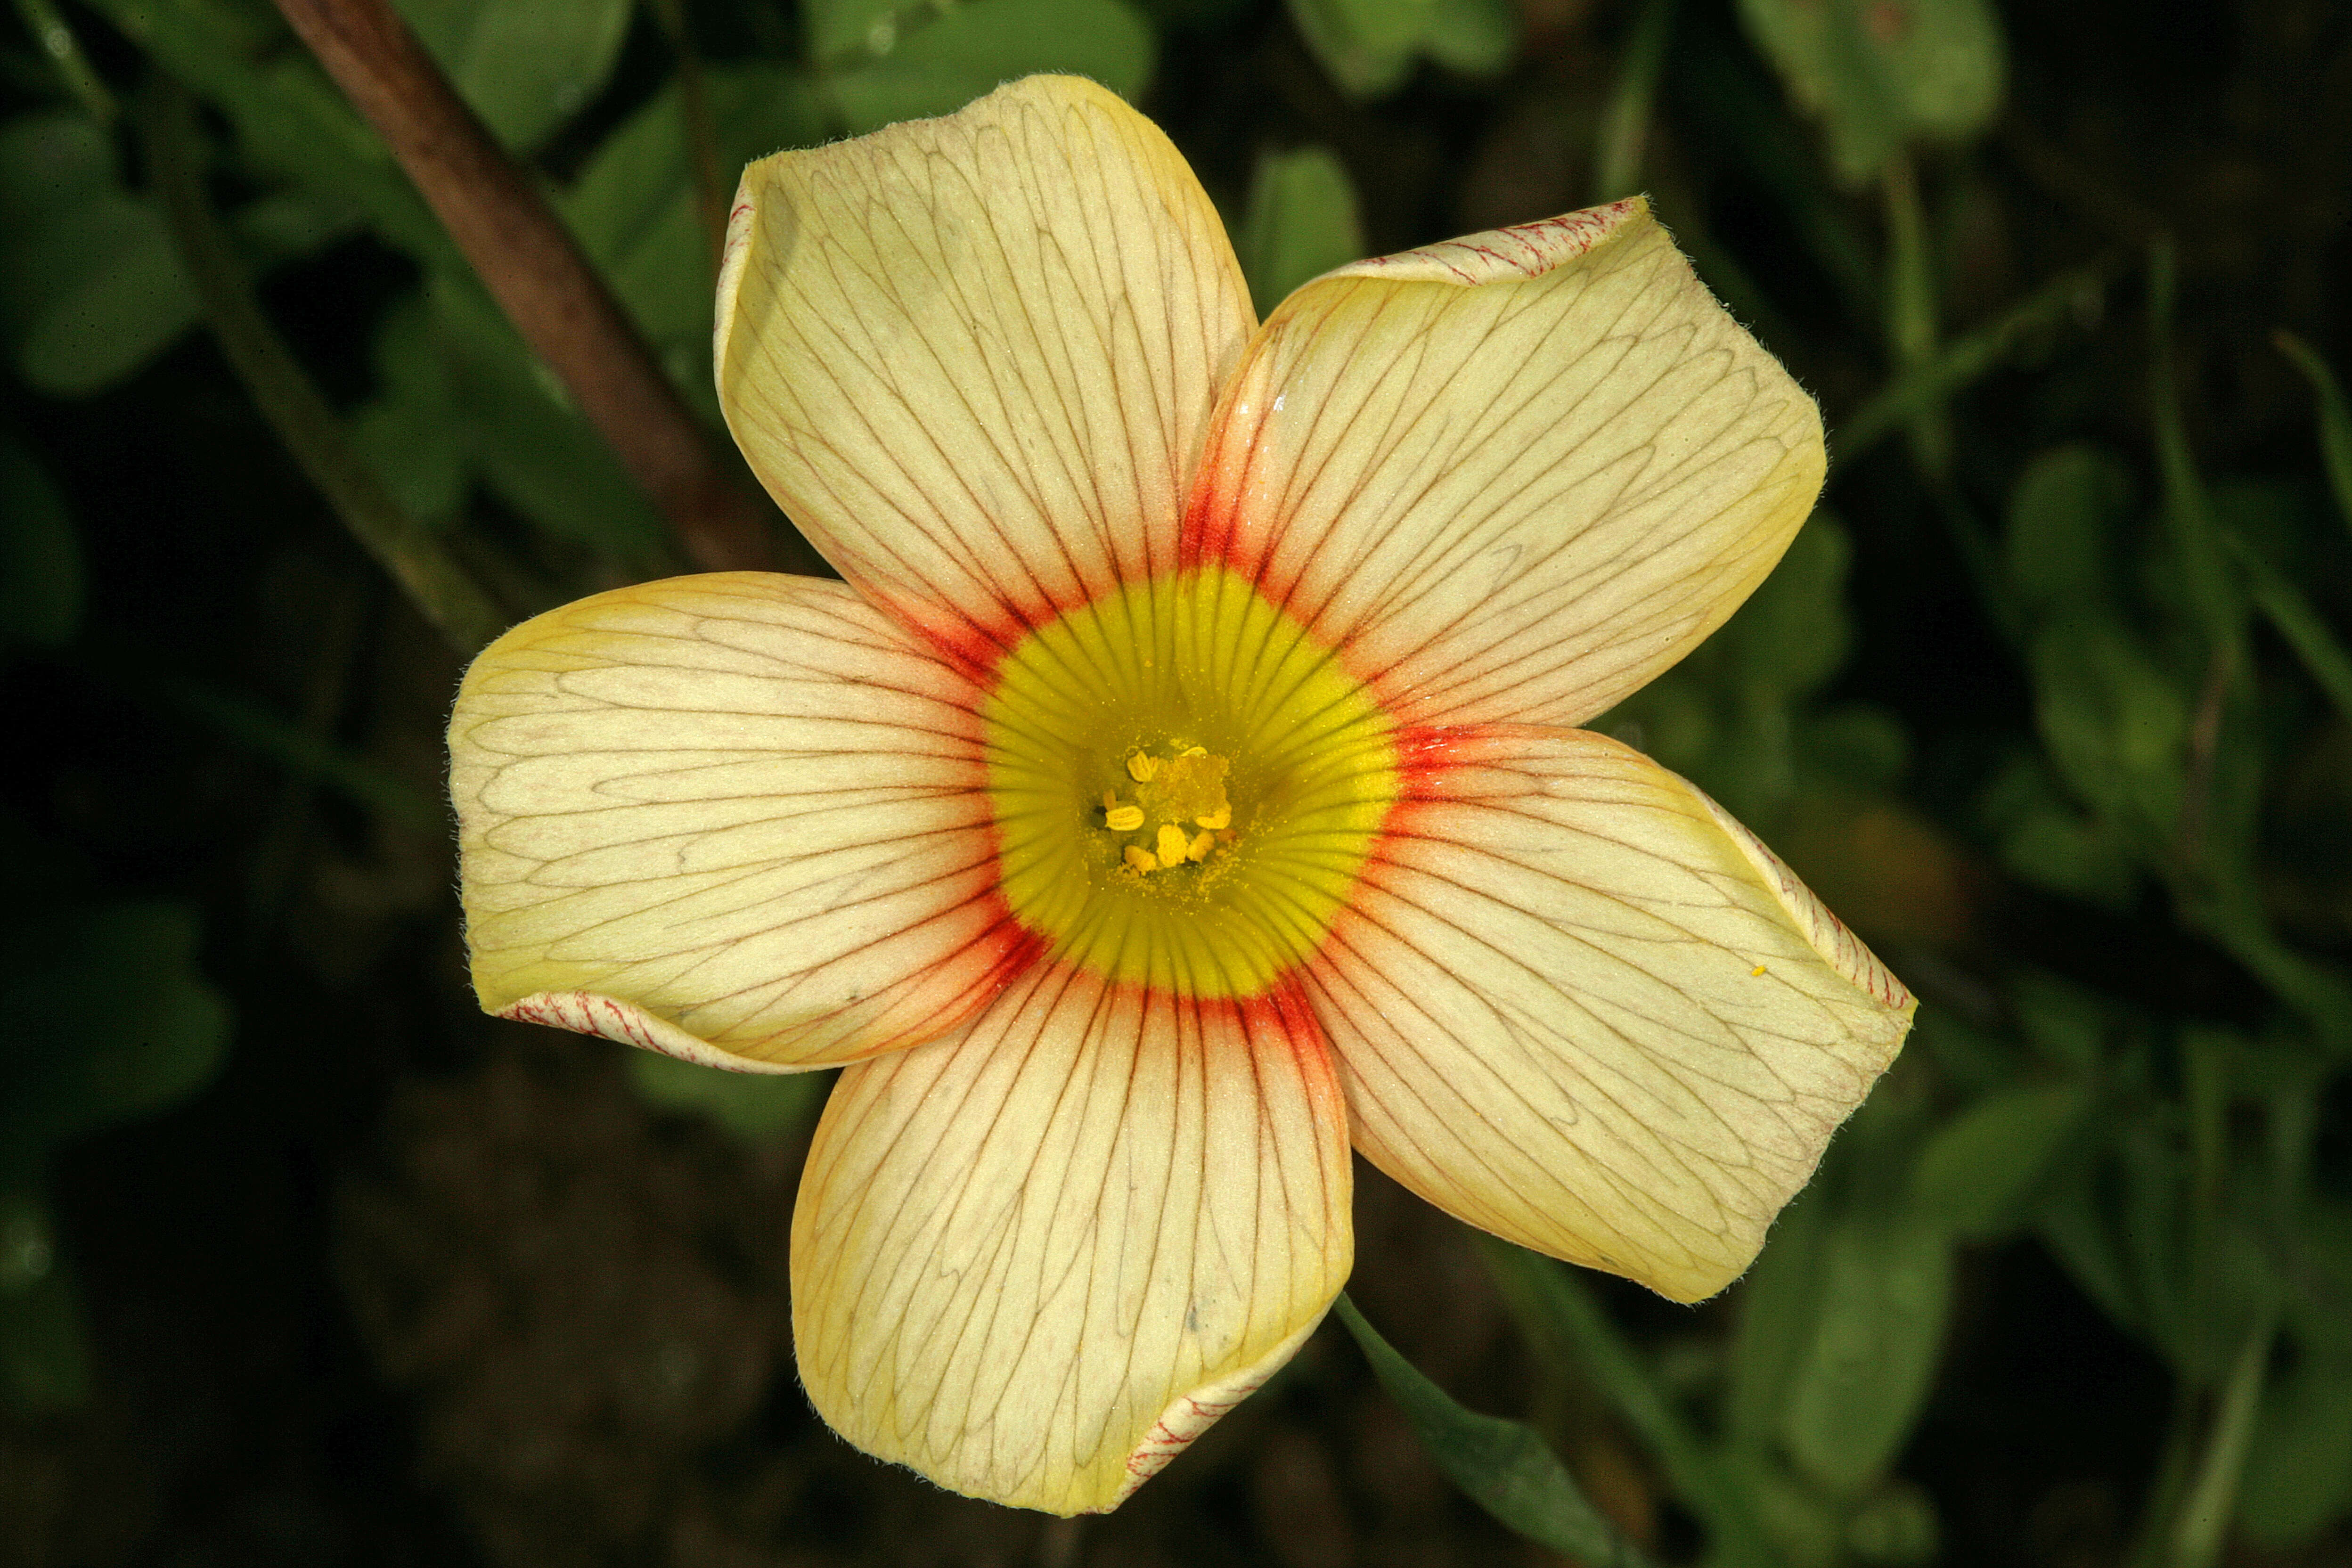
(1139,859)
(1194,752)
(1200,846)
(1123,818)
(1755,972)
(1141,766)
(1222,817)
(1172,845)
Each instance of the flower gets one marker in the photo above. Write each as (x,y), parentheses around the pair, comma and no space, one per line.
(1184,783)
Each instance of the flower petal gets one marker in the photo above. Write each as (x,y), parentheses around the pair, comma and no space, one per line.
(1515,476)
(1579,1006)
(1036,1261)
(738,818)
(974,357)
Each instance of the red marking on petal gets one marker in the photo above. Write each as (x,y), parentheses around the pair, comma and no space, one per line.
(1174,1433)
(584,1013)
(1205,536)
(1530,249)
(1426,754)
(972,644)
(1439,765)
(1282,1014)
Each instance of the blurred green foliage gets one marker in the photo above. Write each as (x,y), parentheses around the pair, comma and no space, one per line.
(2176,638)
(1880,77)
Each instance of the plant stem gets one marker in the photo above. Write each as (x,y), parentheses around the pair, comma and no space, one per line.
(2212,1495)
(701,131)
(1626,124)
(1910,317)
(296,410)
(535,270)
(2335,417)
(2299,622)
(1963,360)
(1561,1319)
(64,51)
(2210,592)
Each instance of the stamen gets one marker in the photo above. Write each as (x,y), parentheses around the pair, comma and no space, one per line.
(1136,766)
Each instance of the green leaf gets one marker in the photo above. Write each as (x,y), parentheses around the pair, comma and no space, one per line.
(847,33)
(1367,46)
(2068,1024)
(2299,1474)
(524,437)
(754,1107)
(1977,1173)
(90,282)
(2150,1221)
(40,552)
(1854,745)
(2115,724)
(1566,1325)
(1193,15)
(2045,838)
(924,67)
(1880,74)
(1503,1465)
(289,119)
(525,66)
(1895,1525)
(91,287)
(1793,633)
(2298,621)
(2074,1227)
(110,1019)
(1864,1376)
(410,432)
(1475,37)
(2061,516)
(1775,1326)
(1302,223)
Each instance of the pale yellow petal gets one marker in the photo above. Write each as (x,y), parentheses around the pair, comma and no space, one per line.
(1036,1261)
(974,357)
(1578,1006)
(738,818)
(1512,477)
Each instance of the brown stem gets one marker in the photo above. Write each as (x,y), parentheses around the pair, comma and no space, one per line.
(537,274)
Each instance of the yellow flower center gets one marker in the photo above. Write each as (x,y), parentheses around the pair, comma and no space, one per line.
(1186,783)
